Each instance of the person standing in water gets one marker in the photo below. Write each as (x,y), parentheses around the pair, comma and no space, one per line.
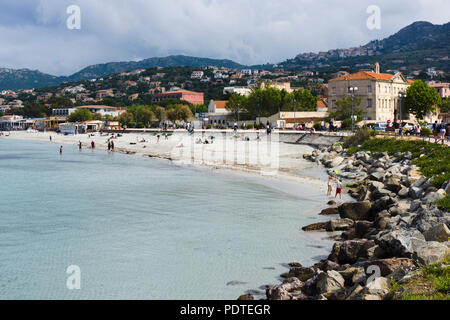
(112,145)
(93,144)
(339,189)
(60,149)
(79,145)
(109,145)
(330,184)
(50,138)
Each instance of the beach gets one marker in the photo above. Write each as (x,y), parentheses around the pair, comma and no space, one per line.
(266,159)
(228,212)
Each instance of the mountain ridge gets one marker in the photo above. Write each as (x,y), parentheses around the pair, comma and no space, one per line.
(420,44)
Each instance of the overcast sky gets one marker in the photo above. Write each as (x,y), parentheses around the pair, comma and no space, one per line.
(34,34)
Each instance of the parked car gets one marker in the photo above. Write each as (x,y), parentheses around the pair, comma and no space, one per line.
(380,126)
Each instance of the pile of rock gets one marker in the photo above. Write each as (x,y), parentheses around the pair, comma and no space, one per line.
(392,227)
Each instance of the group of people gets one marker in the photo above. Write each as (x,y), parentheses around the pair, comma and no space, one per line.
(331,179)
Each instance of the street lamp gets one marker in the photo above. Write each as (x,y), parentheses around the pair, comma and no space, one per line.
(295,107)
(401,95)
(259,115)
(352,94)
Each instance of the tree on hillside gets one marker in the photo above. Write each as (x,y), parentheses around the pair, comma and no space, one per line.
(300,100)
(60,102)
(421,99)
(445,105)
(264,102)
(236,104)
(184,113)
(80,115)
(35,110)
(172,115)
(125,118)
(344,109)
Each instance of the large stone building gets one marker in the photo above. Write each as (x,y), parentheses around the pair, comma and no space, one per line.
(189,96)
(379,93)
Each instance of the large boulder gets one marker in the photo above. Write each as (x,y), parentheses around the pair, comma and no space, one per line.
(439,233)
(379,286)
(330,282)
(350,251)
(339,224)
(435,196)
(315,226)
(377,176)
(301,273)
(336,161)
(388,266)
(285,290)
(329,211)
(401,243)
(415,192)
(355,210)
(431,252)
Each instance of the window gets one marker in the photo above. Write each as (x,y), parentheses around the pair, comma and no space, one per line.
(369,103)
(334,90)
(369,89)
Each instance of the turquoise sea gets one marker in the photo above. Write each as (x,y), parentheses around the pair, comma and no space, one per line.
(141,228)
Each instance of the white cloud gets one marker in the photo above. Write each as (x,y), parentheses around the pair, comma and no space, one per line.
(34,34)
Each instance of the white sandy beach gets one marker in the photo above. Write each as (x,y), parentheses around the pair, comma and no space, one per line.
(267,161)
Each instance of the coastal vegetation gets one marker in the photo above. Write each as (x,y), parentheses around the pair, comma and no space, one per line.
(421,99)
(430,282)
(430,157)
(265,102)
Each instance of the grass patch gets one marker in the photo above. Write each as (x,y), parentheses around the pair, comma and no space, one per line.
(444,203)
(431,283)
(433,159)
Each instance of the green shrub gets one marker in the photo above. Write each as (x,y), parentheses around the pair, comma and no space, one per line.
(250,126)
(425,132)
(209,126)
(317,126)
(444,203)
(358,138)
(430,157)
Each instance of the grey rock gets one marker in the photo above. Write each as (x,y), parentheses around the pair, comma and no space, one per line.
(401,243)
(340,224)
(377,175)
(329,211)
(330,282)
(356,210)
(431,252)
(439,233)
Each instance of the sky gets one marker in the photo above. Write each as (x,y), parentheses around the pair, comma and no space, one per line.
(34,33)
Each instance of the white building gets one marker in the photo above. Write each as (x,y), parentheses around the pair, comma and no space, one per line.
(243,91)
(197,74)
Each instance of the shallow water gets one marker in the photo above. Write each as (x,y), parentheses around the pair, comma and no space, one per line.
(141,228)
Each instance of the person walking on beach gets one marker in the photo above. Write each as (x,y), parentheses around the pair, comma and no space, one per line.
(60,149)
(92,144)
(112,145)
(50,138)
(339,189)
(330,184)
(157,136)
(79,145)
(109,145)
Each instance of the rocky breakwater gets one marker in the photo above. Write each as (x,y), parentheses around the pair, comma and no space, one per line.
(391,229)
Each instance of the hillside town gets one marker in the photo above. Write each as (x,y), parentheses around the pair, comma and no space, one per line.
(378,97)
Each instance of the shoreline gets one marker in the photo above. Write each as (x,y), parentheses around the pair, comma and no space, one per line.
(288,179)
(392,228)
